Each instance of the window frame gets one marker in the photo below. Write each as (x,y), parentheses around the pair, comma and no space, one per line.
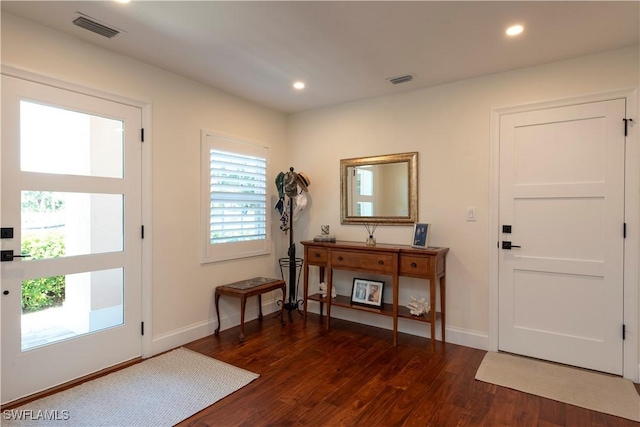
(231,250)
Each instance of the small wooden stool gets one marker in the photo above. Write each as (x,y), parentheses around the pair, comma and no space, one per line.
(248,288)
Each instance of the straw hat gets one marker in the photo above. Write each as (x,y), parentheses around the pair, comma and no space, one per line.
(303,180)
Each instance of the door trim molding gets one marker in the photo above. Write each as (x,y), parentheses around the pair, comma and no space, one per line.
(147,243)
(631,368)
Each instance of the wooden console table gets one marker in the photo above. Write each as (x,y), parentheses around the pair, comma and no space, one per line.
(390,260)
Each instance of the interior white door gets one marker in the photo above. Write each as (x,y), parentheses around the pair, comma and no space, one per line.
(562,193)
(71,193)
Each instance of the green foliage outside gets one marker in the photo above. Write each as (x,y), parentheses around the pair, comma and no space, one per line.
(44,292)
(41,201)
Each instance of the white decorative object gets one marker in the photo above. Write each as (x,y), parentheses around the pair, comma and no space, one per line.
(418,307)
(322,288)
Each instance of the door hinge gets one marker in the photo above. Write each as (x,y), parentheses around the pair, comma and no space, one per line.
(142,134)
(624,230)
(142,232)
(141,328)
(624,331)
(626,125)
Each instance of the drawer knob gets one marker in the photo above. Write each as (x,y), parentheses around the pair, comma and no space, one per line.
(340,258)
(380,262)
(414,265)
(317,255)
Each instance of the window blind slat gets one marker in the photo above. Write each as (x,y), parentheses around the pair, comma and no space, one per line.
(238,197)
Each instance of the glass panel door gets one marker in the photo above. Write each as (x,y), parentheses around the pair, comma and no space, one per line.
(71,191)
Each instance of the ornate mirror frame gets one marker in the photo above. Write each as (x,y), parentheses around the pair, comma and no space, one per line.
(412,189)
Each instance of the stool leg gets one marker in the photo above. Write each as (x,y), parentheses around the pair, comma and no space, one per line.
(217,312)
(260,307)
(243,303)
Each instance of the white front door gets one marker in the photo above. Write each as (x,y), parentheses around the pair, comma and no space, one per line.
(562,193)
(71,200)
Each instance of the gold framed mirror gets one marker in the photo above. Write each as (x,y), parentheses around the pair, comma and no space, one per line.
(379,189)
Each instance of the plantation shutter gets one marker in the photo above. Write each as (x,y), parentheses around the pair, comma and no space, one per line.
(238,197)
(237,218)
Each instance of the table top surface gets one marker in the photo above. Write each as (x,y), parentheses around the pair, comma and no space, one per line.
(250,283)
(379,247)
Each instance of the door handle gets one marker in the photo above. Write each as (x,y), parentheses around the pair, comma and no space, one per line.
(9,256)
(507,245)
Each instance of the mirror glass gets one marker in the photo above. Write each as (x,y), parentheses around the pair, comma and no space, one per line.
(380,189)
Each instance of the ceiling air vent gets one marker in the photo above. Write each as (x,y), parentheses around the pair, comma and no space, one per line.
(88,23)
(400,79)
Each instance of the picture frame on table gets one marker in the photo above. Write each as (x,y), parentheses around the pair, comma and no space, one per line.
(367,292)
(421,233)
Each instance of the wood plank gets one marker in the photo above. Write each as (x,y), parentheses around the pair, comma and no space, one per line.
(354,376)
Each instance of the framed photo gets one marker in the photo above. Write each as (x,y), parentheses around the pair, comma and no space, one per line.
(421,235)
(367,292)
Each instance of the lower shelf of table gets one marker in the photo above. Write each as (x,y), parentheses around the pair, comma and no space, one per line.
(386,309)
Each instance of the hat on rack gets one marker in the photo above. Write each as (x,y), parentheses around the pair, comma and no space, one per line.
(290,184)
(279,180)
(300,202)
(303,180)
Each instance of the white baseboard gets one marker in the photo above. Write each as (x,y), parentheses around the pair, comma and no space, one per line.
(182,336)
(459,336)
(187,334)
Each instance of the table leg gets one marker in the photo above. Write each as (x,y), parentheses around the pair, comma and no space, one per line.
(260,307)
(327,321)
(396,285)
(243,303)
(443,305)
(432,311)
(217,298)
(320,280)
(305,269)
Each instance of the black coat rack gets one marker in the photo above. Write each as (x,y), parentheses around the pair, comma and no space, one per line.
(291,262)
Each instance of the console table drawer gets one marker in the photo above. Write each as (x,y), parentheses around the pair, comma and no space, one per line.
(317,256)
(414,266)
(382,263)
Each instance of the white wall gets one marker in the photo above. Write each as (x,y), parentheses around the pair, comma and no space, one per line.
(182,288)
(449,126)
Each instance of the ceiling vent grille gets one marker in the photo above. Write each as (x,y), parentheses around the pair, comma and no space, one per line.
(94,26)
(400,79)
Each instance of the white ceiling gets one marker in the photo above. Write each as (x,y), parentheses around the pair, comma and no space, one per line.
(343,50)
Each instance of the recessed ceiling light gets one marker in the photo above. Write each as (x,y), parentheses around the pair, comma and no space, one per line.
(515,30)
(298,85)
(123,1)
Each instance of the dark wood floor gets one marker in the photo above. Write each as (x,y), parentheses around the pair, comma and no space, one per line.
(353,376)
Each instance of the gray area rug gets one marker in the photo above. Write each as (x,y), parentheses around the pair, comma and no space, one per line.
(598,392)
(160,391)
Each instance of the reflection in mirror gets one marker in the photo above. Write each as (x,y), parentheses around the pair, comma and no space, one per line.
(379,190)
(387,180)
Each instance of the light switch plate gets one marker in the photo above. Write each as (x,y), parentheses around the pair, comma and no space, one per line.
(471,214)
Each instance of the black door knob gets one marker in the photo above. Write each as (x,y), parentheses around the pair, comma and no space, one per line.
(5,293)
